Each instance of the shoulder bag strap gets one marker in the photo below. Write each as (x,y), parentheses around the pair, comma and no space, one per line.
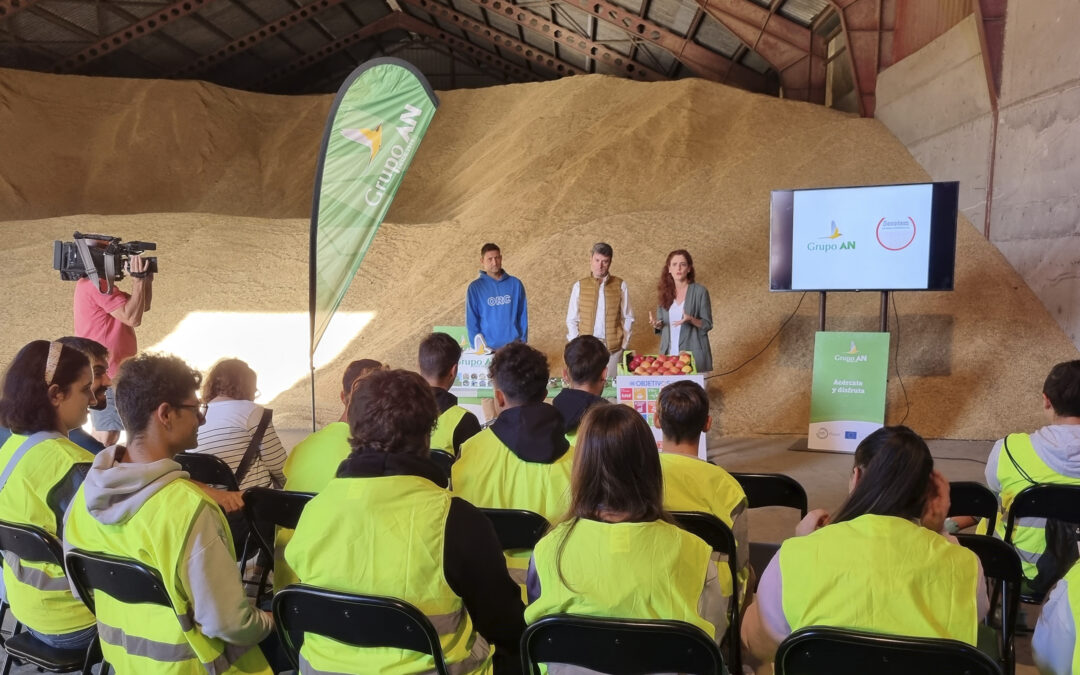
(253,448)
(1020,469)
(21,451)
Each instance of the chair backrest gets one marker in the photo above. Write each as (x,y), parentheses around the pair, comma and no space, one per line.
(209,469)
(517,528)
(129,581)
(30,543)
(620,646)
(968,498)
(280,508)
(358,620)
(772,489)
(1000,563)
(444,459)
(718,535)
(1044,501)
(818,650)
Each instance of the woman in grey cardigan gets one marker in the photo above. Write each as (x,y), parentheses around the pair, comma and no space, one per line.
(684,312)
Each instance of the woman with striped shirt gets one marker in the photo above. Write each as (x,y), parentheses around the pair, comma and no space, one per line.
(232,417)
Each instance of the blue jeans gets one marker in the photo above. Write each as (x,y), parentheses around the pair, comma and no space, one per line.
(77,640)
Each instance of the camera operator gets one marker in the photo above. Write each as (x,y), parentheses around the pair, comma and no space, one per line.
(111,318)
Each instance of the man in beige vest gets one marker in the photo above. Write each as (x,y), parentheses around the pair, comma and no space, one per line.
(600,306)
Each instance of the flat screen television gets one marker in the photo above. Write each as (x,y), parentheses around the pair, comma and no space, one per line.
(868,238)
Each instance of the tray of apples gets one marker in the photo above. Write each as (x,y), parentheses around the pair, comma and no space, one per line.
(660,364)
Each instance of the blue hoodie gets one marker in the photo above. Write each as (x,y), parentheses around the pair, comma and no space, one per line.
(496,308)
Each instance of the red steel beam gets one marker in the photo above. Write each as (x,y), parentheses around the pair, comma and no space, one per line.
(9,8)
(495,37)
(145,26)
(467,48)
(863,24)
(570,40)
(256,36)
(701,60)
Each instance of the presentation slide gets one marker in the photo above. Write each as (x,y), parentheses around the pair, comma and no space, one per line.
(861,238)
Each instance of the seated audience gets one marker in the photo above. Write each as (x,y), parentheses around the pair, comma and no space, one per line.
(314,461)
(691,484)
(46,392)
(617,553)
(1050,455)
(881,564)
(586,359)
(1054,644)
(233,424)
(137,503)
(389,515)
(521,461)
(439,355)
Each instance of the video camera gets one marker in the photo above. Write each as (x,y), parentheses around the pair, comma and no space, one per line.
(99,256)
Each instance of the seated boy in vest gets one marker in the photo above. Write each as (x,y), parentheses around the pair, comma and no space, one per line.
(586,360)
(690,484)
(522,461)
(439,355)
(137,503)
(1050,455)
(314,461)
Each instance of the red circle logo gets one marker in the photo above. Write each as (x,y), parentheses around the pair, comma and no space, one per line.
(895,235)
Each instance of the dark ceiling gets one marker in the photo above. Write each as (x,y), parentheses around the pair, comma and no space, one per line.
(293,47)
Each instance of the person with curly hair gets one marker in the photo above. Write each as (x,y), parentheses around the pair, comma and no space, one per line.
(389,516)
(684,311)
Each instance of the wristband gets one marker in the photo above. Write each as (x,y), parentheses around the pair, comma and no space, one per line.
(951,527)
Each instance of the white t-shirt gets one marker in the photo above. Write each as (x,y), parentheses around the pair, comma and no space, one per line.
(675,313)
(229,428)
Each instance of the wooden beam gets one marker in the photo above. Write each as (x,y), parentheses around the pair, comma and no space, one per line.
(862,22)
(9,8)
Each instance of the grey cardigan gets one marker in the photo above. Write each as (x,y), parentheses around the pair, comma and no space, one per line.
(691,338)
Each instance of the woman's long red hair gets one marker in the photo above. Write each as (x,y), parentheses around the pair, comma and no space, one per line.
(665,290)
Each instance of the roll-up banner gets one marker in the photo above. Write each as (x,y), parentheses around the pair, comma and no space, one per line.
(847,398)
(373,131)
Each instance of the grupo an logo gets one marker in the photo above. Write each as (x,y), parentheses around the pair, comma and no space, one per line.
(399,148)
(498,300)
(896,234)
(369,138)
(852,355)
(832,243)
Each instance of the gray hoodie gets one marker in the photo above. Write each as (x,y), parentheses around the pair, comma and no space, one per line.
(209,574)
(1058,445)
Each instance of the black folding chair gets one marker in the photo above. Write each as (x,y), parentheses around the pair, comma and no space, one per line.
(1061,502)
(357,620)
(209,469)
(720,537)
(33,544)
(625,646)
(968,498)
(818,650)
(267,509)
(770,489)
(445,460)
(517,528)
(1001,565)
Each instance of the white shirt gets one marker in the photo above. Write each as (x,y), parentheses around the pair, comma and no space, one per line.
(675,313)
(599,324)
(229,428)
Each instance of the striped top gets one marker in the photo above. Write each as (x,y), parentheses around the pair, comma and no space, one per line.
(229,428)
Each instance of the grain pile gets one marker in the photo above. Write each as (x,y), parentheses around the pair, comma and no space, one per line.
(222,179)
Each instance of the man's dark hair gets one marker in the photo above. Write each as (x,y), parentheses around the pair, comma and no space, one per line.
(1062,387)
(684,411)
(392,411)
(92,348)
(586,357)
(146,381)
(357,369)
(439,353)
(489,247)
(24,405)
(602,249)
(520,373)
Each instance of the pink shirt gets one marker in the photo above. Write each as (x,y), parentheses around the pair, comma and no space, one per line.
(93,319)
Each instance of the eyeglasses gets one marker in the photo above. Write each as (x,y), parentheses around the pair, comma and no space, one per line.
(199,408)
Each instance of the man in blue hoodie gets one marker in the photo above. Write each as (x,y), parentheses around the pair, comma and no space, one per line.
(495,306)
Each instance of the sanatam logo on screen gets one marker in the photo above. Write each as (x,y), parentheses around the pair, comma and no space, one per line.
(896,235)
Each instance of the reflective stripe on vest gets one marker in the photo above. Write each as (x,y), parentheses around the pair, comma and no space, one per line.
(649,570)
(147,637)
(405,522)
(1029,536)
(881,574)
(39,593)
(442,436)
(589,300)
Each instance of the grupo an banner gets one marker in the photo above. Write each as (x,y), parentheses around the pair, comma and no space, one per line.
(375,126)
(847,399)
